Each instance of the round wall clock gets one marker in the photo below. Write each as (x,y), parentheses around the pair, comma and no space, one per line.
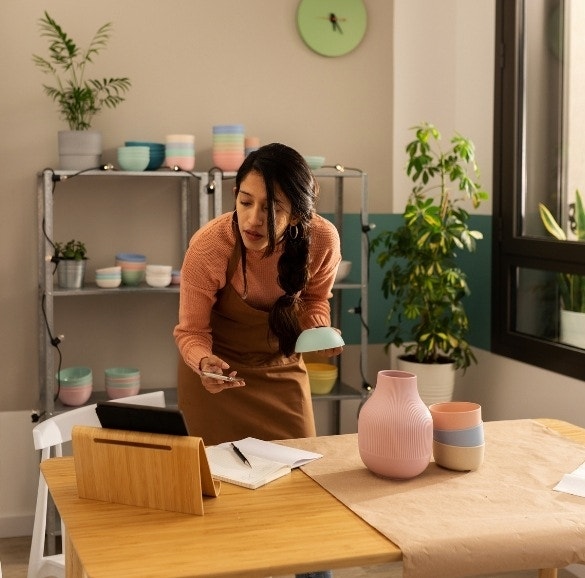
(332,27)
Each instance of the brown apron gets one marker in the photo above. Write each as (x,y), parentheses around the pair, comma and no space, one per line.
(275,403)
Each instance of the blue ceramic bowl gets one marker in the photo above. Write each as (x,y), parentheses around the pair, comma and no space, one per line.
(469,437)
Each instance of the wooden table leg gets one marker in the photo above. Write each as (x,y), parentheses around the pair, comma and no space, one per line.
(73,567)
(547,573)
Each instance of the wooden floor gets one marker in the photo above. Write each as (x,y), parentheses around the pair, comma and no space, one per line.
(14,559)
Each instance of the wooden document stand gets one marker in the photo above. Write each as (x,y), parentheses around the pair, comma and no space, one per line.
(164,472)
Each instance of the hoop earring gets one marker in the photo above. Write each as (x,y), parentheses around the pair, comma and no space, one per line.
(290,231)
(235,216)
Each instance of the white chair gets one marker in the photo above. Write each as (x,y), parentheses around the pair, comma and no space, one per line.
(48,437)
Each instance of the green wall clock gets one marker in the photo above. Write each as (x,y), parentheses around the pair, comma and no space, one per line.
(332,27)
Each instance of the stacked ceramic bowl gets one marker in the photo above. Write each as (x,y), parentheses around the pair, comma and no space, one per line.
(75,385)
(159,275)
(228,146)
(133,158)
(156,153)
(176,277)
(458,438)
(314,162)
(108,277)
(180,151)
(122,382)
(133,267)
(322,377)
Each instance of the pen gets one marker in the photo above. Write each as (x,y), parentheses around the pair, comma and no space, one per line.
(240,455)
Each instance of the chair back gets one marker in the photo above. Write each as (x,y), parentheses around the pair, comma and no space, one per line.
(49,437)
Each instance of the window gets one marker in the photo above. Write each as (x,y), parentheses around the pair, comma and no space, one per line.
(539,157)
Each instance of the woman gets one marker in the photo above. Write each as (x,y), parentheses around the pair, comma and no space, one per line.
(251,281)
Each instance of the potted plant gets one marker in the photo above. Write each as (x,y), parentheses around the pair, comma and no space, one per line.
(71,258)
(571,286)
(422,279)
(78,99)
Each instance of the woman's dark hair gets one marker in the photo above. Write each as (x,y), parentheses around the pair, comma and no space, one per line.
(281,165)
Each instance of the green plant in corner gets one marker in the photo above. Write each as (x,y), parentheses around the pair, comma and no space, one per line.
(422,279)
(71,251)
(78,99)
(571,286)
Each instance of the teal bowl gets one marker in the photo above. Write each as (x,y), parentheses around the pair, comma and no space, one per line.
(75,376)
(156,153)
(133,277)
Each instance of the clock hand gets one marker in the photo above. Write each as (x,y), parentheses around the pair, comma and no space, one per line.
(335,23)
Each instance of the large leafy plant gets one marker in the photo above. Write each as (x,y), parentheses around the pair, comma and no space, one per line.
(422,279)
(78,99)
(571,286)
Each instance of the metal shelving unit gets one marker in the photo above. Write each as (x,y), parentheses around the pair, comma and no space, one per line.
(207,197)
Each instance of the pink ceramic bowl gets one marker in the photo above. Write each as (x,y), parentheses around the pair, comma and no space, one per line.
(118,392)
(75,395)
(184,163)
(450,415)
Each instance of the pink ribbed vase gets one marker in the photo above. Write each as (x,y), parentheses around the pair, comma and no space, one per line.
(395,427)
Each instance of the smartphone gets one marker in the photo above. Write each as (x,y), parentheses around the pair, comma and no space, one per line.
(220,376)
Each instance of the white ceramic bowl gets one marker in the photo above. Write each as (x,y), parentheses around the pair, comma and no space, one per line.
(158,280)
(317,339)
(108,283)
(117,270)
(159,269)
(343,271)
(461,459)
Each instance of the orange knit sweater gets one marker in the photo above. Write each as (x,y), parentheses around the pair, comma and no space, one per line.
(204,274)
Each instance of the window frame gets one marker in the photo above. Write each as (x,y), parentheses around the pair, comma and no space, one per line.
(511,250)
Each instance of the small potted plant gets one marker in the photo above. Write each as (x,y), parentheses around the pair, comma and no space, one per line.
(422,279)
(78,99)
(71,258)
(571,286)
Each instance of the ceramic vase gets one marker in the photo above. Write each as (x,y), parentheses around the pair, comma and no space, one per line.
(395,427)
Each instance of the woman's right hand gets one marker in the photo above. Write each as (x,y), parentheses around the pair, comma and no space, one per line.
(214,364)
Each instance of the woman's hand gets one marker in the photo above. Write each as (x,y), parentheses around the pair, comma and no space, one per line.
(333,352)
(214,364)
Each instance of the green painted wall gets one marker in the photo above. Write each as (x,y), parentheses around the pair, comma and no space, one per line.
(477,266)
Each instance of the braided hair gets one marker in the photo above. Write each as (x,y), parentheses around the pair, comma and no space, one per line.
(282,166)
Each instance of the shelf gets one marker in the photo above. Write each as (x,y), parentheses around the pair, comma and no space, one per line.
(93,289)
(340,391)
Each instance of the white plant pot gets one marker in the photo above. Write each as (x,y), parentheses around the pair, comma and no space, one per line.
(436,381)
(79,149)
(573,328)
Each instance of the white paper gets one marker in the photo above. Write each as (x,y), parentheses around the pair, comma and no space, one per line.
(226,466)
(573,483)
(274,452)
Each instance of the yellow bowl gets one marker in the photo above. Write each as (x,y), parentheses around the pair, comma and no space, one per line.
(322,377)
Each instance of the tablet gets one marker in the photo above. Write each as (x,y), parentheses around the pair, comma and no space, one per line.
(142,418)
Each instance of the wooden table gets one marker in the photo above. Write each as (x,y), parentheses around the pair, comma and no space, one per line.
(290,525)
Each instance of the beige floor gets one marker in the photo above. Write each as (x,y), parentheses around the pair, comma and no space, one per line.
(14,559)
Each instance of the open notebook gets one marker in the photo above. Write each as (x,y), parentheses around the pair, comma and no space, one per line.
(268,461)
